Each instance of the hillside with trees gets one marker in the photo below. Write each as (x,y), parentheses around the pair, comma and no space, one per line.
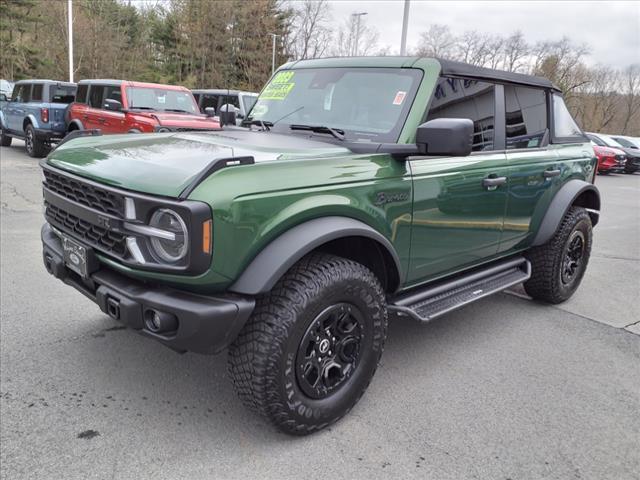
(228,44)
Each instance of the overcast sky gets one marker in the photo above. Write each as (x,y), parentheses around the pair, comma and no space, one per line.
(612,29)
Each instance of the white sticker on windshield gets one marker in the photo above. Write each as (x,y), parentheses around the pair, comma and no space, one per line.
(399,98)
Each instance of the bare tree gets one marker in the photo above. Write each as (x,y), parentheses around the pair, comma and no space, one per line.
(309,35)
(345,40)
(631,98)
(473,48)
(437,41)
(515,52)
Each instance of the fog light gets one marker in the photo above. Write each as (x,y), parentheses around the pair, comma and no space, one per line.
(159,322)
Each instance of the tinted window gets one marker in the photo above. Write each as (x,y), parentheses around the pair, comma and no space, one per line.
(463,98)
(526,116)
(113,92)
(563,123)
(161,99)
(81,96)
(36,93)
(596,140)
(22,93)
(62,94)
(209,101)
(95,96)
(231,99)
(625,143)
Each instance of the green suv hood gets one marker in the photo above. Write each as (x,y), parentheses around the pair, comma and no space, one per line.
(165,164)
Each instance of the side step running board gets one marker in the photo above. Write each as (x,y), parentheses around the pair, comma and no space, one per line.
(435,300)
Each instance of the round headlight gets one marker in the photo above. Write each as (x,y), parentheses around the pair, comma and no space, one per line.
(163,130)
(170,251)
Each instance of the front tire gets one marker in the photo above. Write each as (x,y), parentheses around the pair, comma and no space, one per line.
(5,140)
(35,148)
(312,344)
(557,267)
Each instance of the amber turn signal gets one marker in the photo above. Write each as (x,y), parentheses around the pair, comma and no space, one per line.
(206,236)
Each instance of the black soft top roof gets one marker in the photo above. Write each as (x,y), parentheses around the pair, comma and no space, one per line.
(450,67)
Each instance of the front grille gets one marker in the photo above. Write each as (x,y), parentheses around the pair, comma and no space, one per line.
(85,194)
(109,241)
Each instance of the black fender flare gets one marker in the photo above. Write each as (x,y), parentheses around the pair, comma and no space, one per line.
(563,199)
(284,251)
(76,122)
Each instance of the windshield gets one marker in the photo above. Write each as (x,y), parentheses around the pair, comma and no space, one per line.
(367,104)
(161,99)
(248,101)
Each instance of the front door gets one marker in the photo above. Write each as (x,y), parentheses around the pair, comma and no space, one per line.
(459,202)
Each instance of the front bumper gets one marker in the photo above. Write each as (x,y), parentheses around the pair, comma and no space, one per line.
(206,324)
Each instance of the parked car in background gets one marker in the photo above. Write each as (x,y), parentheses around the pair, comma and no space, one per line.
(219,98)
(121,106)
(632,156)
(6,87)
(628,142)
(610,160)
(36,113)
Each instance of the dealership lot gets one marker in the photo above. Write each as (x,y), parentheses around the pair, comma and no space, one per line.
(504,388)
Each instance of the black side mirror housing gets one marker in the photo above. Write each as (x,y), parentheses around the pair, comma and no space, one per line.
(210,111)
(227,118)
(112,105)
(449,137)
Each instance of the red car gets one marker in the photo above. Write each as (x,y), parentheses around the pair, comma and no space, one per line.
(610,160)
(120,106)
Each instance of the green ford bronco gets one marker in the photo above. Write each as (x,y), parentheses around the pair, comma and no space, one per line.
(358,190)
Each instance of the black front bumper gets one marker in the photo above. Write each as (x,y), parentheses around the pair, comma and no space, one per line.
(206,324)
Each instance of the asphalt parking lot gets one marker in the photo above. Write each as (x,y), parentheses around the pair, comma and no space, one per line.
(503,389)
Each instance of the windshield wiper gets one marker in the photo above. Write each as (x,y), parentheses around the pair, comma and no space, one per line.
(141,108)
(175,110)
(335,132)
(265,125)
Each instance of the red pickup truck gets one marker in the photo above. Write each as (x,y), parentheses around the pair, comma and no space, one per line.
(120,106)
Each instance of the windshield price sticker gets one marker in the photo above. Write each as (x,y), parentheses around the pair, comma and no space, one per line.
(279,87)
(399,98)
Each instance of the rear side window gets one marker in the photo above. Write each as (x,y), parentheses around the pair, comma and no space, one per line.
(81,95)
(526,116)
(95,96)
(564,126)
(465,98)
(36,93)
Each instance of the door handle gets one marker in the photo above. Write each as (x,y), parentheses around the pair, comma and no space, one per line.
(551,173)
(491,183)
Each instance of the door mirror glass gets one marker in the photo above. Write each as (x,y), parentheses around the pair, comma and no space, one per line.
(112,105)
(450,137)
(210,111)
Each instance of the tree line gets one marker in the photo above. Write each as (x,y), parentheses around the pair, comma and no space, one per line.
(228,44)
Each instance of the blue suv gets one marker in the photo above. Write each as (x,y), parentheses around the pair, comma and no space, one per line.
(36,112)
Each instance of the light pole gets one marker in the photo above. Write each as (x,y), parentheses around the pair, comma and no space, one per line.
(405,25)
(355,44)
(70,32)
(273,52)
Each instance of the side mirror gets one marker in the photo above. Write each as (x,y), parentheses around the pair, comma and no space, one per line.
(210,111)
(3,98)
(450,137)
(112,105)
(227,118)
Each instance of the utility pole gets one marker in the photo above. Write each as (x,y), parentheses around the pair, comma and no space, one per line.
(405,25)
(70,33)
(357,39)
(273,52)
